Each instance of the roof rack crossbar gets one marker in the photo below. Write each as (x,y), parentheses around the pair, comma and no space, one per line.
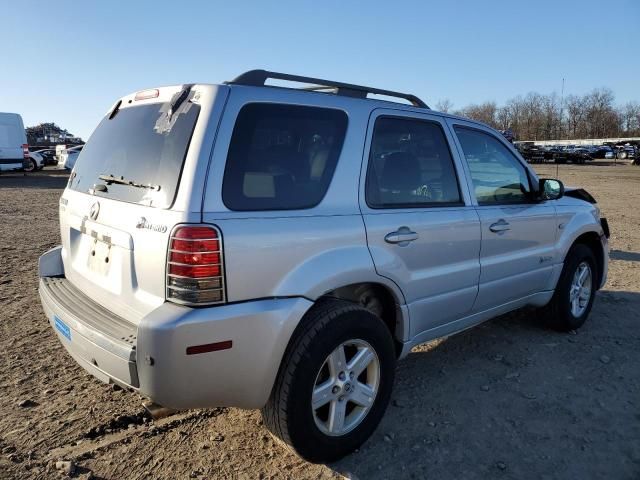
(258,78)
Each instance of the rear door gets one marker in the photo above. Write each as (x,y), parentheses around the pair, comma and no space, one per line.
(422,231)
(518,235)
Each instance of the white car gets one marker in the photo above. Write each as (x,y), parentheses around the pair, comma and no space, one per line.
(67,158)
(14,150)
(34,162)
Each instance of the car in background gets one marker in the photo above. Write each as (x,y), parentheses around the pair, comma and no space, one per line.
(34,162)
(530,152)
(67,157)
(601,151)
(48,156)
(626,151)
(14,150)
(579,155)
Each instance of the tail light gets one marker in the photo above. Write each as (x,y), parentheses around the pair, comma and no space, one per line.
(25,150)
(195,274)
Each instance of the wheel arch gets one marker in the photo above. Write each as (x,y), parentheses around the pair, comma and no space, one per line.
(341,273)
(591,239)
(382,300)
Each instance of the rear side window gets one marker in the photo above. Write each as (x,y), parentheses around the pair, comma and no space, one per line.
(282,157)
(410,165)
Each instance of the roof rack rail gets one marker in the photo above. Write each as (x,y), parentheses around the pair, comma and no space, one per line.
(258,78)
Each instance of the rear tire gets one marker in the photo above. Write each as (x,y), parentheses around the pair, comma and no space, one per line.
(573,298)
(310,373)
(32,166)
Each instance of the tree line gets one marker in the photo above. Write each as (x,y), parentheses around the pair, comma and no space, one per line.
(537,116)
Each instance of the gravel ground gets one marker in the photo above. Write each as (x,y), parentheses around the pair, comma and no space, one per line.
(507,399)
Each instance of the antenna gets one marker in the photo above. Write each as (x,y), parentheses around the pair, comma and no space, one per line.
(561,117)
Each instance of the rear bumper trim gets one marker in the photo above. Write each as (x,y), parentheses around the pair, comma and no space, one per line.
(104,344)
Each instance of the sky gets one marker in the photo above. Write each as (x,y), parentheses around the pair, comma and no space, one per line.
(68,61)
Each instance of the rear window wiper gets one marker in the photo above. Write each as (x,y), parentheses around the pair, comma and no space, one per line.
(111,179)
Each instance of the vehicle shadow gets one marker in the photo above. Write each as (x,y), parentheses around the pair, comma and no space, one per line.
(513,399)
(48,179)
(625,256)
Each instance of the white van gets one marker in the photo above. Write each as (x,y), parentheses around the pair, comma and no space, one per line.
(13,142)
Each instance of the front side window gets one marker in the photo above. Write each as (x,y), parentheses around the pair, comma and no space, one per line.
(410,165)
(282,157)
(497,175)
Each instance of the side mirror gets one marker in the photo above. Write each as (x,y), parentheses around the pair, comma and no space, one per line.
(550,189)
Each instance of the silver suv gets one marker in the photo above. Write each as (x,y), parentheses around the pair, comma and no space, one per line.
(279,248)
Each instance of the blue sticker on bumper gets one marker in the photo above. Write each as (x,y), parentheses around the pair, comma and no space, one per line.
(62,327)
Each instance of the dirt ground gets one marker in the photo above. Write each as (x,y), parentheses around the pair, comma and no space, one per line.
(507,399)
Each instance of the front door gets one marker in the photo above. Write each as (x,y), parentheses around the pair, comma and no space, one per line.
(421,229)
(518,234)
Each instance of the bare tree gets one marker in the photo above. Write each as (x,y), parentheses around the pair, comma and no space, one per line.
(630,116)
(542,117)
(576,112)
(444,105)
(485,112)
(601,115)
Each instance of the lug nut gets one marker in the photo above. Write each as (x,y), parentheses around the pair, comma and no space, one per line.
(342,376)
(351,375)
(335,389)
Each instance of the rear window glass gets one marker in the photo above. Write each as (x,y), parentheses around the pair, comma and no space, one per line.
(282,157)
(135,145)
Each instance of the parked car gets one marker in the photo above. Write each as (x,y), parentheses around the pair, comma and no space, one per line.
(48,155)
(14,150)
(230,245)
(626,151)
(603,151)
(531,153)
(67,157)
(579,155)
(35,162)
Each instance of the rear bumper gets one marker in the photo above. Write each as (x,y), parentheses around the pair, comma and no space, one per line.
(152,358)
(101,342)
(11,164)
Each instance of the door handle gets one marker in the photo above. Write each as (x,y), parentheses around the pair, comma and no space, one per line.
(500,226)
(402,236)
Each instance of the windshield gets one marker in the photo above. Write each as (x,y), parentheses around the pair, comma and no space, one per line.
(131,145)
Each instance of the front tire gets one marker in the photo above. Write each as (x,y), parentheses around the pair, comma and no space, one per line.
(575,292)
(334,382)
